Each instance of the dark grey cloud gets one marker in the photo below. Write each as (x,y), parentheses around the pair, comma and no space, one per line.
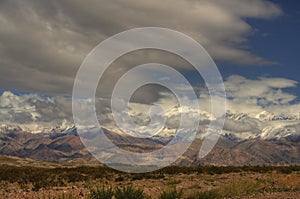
(42,43)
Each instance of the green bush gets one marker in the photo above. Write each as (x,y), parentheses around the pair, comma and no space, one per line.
(120,179)
(101,193)
(240,188)
(207,195)
(129,192)
(172,194)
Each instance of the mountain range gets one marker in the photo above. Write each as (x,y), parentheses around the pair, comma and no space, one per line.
(65,145)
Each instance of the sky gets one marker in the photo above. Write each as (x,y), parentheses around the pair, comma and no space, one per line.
(277,40)
(254,43)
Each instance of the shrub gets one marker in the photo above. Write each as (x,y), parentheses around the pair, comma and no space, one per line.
(231,190)
(120,179)
(172,194)
(129,192)
(216,170)
(101,193)
(207,195)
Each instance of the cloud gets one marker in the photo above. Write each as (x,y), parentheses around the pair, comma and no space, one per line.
(34,112)
(42,43)
(255,95)
(250,114)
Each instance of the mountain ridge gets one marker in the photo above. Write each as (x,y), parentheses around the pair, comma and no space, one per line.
(67,147)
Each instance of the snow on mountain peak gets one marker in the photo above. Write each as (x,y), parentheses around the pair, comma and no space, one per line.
(236,116)
(268,116)
(4,128)
(37,127)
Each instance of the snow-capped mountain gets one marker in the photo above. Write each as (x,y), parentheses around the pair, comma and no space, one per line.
(268,116)
(246,140)
(236,116)
(264,125)
(240,126)
(9,128)
(263,116)
(37,127)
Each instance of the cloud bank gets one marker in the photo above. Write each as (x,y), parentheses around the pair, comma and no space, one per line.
(268,109)
(42,43)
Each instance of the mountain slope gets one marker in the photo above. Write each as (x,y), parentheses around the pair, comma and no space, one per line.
(64,147)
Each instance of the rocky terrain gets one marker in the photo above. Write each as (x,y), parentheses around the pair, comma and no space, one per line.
(67,147)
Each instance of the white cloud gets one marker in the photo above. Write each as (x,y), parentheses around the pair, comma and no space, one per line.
(34,112)
(256,95)
(261,97)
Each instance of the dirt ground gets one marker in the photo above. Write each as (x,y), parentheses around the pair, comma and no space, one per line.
(275,185)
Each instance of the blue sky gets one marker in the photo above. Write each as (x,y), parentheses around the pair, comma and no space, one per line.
(277,40)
